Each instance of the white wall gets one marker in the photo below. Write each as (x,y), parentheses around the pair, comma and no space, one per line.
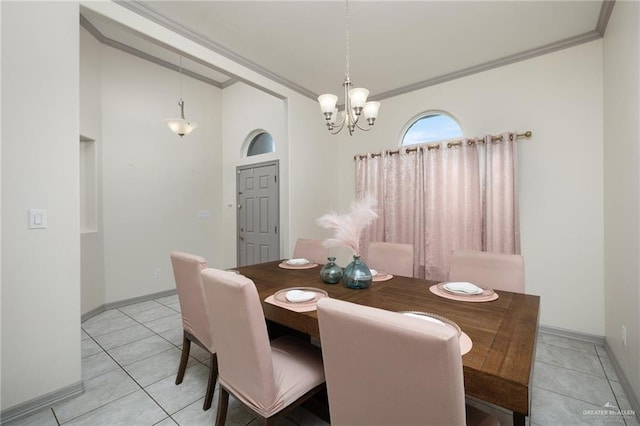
(40,268)
(91,243)
(559,98)
(315,178)
(244,110)
(154,182)
(622,186)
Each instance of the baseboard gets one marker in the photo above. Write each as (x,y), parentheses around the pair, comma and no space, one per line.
(591,338)
(27,408)
(121,303)
(631,396)
(92,313)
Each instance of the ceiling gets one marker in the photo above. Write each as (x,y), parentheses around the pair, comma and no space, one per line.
(395,46)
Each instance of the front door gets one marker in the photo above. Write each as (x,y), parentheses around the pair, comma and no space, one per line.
(258,213)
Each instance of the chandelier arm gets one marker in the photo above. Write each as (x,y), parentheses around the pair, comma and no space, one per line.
(339,128)
(362,128)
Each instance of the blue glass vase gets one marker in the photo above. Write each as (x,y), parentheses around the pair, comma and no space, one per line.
(331,272)
(357,274)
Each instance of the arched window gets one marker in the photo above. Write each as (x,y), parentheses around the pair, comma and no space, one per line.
(432,126)
(261,143)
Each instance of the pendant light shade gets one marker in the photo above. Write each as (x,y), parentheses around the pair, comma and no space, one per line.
(181,126)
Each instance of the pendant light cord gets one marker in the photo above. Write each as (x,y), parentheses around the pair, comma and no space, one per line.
(347,77)
(180,77)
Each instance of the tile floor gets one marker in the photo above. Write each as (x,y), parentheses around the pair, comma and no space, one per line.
(130,356)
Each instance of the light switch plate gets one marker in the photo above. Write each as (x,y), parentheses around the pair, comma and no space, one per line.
(204,215)
(37,218)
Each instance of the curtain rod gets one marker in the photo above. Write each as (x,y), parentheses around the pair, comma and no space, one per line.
(470,141)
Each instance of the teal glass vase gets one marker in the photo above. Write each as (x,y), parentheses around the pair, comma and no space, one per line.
(357,274)
(331,272)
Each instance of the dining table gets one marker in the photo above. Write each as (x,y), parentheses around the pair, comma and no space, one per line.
(498,368)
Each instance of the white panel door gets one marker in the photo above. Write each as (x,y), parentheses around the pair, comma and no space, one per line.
(258,214)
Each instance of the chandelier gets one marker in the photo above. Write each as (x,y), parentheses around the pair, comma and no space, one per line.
(181,126)
(355,101)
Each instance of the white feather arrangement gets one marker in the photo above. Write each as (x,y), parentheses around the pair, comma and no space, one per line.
(348,227)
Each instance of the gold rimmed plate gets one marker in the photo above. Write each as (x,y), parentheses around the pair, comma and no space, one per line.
(427,316)
(281,295)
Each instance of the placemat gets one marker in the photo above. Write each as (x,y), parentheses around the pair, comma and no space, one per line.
(384,277)
(475,298)
(465,343)
(297,307)
(285,265)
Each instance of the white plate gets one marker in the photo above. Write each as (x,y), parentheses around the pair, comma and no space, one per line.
(373,272)
(463,288)
(299,296)
(297,262)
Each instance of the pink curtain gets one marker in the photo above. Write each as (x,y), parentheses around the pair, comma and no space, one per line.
(370,172)
(501,226)
(442,200)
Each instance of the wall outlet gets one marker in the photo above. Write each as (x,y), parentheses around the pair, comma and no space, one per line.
(156,274)
(624,335)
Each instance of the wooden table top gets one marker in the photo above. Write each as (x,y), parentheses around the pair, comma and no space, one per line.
(499,367)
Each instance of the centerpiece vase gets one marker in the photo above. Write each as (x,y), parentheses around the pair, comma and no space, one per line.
(331,272)
(357,274)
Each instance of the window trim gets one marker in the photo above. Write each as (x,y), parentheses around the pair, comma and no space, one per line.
(250,137)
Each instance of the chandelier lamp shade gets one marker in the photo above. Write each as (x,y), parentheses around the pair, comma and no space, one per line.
(355,101)
(181,126)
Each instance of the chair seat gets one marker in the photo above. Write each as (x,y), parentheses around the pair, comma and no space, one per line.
(297,367)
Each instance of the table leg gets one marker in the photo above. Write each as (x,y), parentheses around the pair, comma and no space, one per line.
(518,419)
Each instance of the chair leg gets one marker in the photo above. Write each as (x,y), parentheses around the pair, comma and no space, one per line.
(186,346)
(213,377)
(223,402)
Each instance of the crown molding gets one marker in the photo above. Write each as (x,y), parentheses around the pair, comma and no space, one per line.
(605,14)
(532,53)
(147,12)
(87,25)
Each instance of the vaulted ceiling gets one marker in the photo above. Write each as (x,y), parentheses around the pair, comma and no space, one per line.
(395,46)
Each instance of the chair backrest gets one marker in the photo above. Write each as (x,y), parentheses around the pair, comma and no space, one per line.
(396,259)
(245,364)
(383,367)
(494,270)
(313,250)
(195,319)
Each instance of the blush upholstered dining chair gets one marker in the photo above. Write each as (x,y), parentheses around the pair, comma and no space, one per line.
(196,324)
(312,250)
(268,377)
(394,258)
(385,368)
(493,270)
